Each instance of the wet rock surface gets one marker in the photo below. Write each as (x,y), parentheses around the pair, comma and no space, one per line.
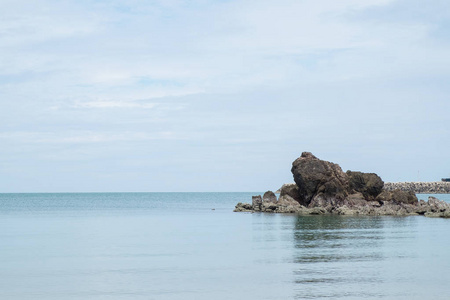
(321,187)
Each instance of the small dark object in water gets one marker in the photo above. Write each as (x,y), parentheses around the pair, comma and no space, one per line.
(446,179)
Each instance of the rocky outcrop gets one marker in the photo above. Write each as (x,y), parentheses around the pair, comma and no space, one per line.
(319,182)
(437,208)
(243,207)
(438,187)
(269,197)
(355,206)
(398,196)
(287,204)
(369,184)
(291,190)
(256,203)
(321,187)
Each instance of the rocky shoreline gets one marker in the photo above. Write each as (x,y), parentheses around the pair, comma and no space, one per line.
(321,187)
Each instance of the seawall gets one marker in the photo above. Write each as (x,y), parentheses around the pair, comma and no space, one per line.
(438,187)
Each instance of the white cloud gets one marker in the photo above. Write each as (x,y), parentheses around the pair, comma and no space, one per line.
(85,137)
(115,104)
(183,48)
(209,74)
(25,22)
(202,47)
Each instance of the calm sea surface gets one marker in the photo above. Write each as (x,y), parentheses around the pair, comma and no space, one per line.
(174,246)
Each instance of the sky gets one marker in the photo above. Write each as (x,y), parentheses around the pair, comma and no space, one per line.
(199,96)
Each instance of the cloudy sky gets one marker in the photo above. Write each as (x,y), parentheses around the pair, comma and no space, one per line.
(220,95)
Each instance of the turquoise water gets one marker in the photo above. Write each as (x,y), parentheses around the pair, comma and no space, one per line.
(175,246)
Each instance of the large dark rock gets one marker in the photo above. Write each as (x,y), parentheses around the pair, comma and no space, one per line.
(320,182)
(369,184)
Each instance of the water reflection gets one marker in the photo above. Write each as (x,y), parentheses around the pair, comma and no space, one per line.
(342,256)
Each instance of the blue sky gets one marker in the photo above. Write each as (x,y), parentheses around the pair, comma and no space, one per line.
(219,95)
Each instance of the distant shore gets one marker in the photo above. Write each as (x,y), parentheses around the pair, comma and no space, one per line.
(435,187)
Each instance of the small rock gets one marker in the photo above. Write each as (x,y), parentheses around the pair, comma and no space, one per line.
(243,207)
(269,196)
(256,202)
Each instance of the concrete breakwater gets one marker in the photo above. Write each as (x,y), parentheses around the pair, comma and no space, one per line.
(438,187)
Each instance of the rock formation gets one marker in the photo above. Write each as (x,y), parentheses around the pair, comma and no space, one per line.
(369,184)
(321,187)
(256,203)
(437,208)
(291,190)
(319,182)
(269,197)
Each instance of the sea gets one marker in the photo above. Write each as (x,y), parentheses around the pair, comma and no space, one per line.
(193,246)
